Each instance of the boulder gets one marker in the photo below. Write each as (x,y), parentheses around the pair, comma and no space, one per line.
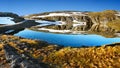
(20,61)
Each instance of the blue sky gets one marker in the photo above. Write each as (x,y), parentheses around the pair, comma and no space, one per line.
(24,7)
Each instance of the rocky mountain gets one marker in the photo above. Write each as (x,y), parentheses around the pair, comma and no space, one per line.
(93,21)
(69,17)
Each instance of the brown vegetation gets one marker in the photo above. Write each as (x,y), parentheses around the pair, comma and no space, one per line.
(63,57)
(115,24)
(105,15)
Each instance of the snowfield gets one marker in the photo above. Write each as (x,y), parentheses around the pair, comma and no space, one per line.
(6,20)
(60,14)
(46,23)
(9,31)
(52,30)
(118,14)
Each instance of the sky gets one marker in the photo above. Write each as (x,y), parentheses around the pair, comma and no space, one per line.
(25,7)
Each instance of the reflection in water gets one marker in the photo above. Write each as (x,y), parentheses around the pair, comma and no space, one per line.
(68,40)
(14,32)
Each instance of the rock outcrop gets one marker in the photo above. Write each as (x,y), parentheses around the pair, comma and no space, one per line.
(20,60)
(95,21)
(67,17)
(100,20)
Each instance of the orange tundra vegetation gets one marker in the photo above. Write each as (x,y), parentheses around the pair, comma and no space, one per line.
(107,56)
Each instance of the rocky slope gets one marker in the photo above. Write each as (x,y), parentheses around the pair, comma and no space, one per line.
(95,21)
(67,16)
(26,53)
(17,52)
(100,20)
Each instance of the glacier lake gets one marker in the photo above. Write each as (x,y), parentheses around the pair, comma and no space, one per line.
(61,39)
(68,39)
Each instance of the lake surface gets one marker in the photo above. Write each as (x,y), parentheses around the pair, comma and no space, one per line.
(67,39)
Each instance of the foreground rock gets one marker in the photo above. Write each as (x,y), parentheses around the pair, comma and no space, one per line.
(18,54)
(18,61)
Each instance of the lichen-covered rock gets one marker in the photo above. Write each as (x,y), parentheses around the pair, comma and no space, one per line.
(100,20)
(18,61)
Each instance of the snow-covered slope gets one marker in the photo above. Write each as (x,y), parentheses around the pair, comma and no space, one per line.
(63,14)
(16,18)
(46,23)
(118,14)
(67,19)
(6,20)
(59,14)
(77,20)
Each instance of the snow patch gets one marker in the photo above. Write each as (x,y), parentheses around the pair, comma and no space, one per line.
(46,23)
(78,23)
(118,14)
(52,30)
(6,20)
(9,31)
(55,14)
(60,14)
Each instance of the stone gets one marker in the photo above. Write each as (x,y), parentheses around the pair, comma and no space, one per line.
(20,61)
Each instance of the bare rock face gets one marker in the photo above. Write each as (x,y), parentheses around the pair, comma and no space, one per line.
(15,16)
(100,20)
(65,16)
(95,21)
(99,25)
(20,60)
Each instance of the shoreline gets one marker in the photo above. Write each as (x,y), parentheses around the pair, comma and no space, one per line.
(59,31)
(108,35)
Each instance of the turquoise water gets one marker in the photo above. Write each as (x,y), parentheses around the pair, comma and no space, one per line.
(67,39)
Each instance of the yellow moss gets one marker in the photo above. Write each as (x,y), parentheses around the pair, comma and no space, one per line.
(12,44)
(35,55)
(67,57)
(91,57)
(107,14)
(29,41)
(1,45)
(115,24)
(4,36)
